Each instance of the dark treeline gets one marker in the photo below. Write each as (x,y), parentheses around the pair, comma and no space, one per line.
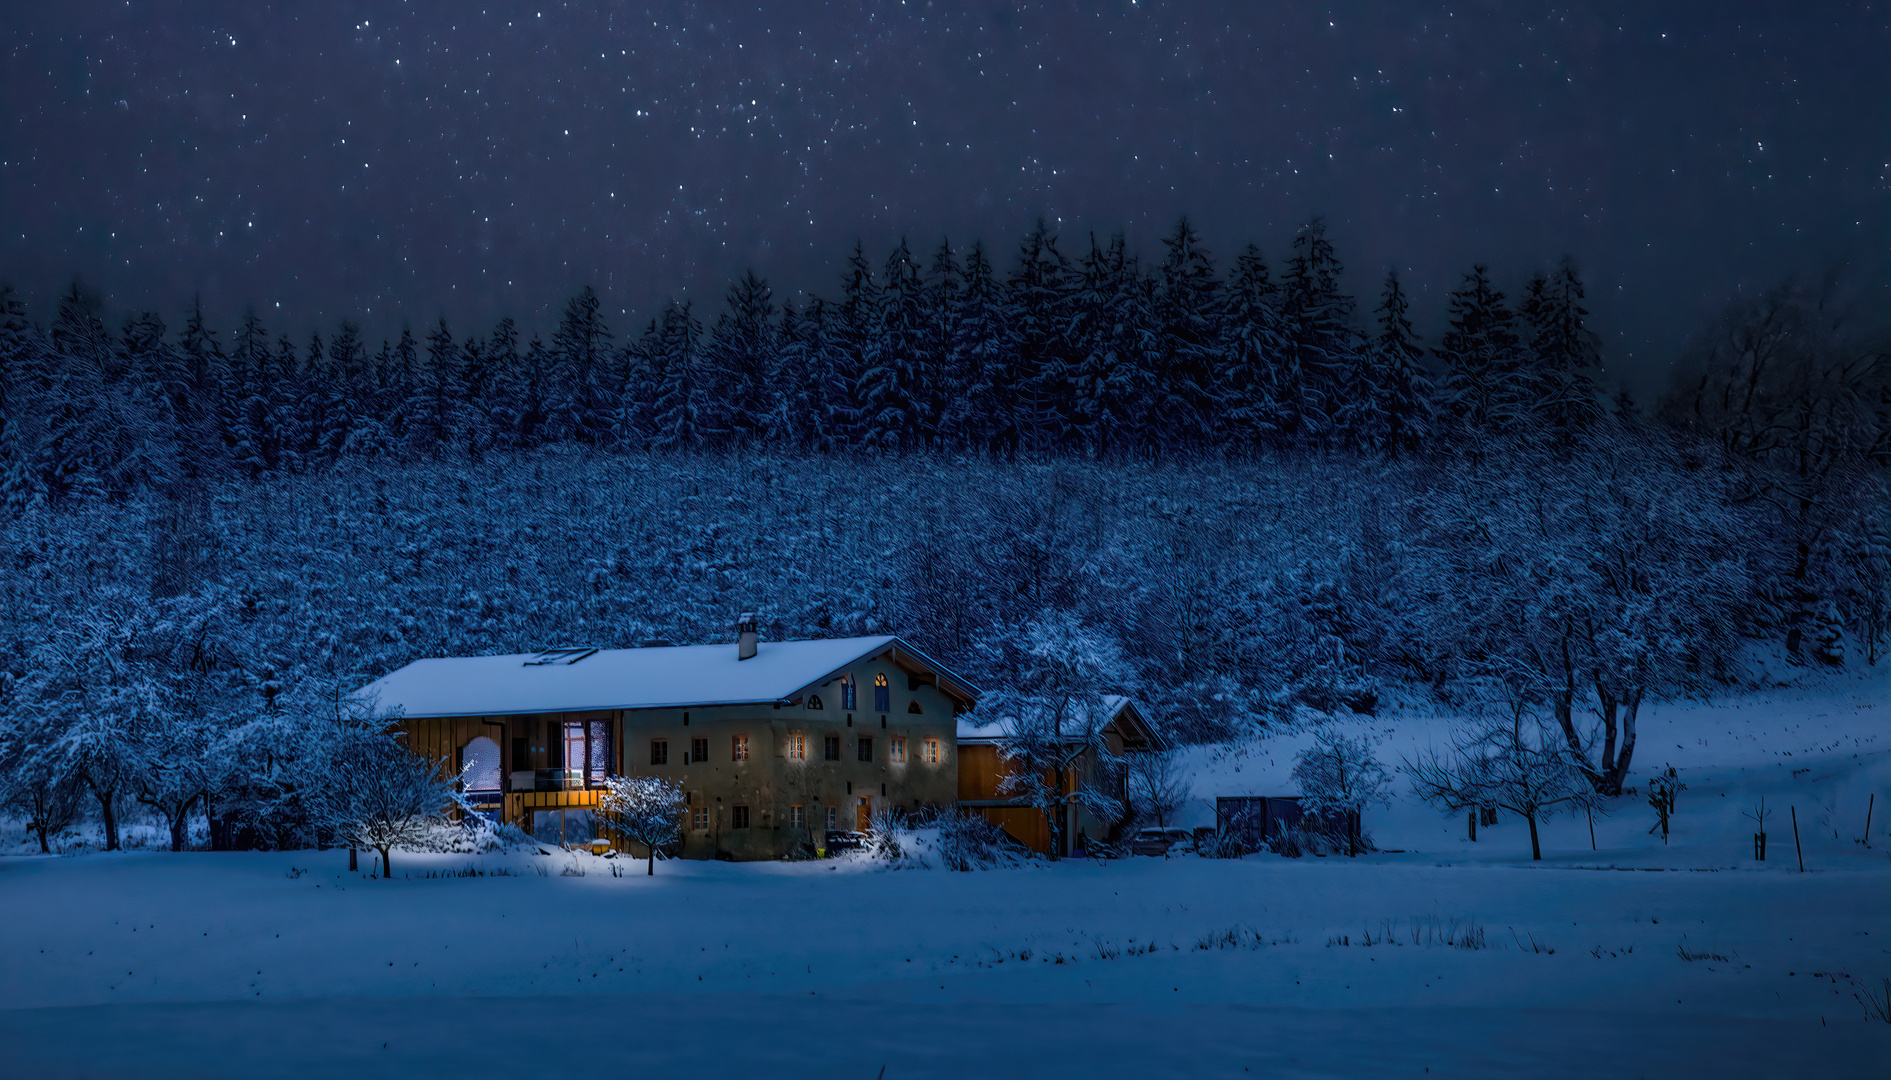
(1252,497)
(1099,356)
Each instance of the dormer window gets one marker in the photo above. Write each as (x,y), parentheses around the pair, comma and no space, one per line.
(847,693)
(814,702)
(882,694)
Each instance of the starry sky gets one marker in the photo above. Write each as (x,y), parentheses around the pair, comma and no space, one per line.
(394,163)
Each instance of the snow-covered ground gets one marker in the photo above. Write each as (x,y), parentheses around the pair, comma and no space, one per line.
(1632,959)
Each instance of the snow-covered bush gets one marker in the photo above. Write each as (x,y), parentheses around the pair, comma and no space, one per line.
(971,841)
(1338,776)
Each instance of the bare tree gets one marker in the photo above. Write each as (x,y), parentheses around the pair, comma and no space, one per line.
(1515,761)
(1157,785)
(644,809)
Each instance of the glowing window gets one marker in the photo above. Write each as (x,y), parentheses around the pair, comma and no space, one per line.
(882,695)
(738,748)
(896,751)
(929,751)
(797,748)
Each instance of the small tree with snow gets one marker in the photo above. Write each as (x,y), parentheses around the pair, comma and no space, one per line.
(1339,775)
(370,791)
(1055,717)
(644,809)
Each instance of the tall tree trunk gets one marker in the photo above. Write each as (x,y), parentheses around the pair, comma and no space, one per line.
(1631,705)
(108,814)
(650,869)
(387,866)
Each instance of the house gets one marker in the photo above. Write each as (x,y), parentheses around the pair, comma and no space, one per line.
(983,767)
(776,743)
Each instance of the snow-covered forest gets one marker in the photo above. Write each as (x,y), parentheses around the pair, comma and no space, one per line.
(1269,497)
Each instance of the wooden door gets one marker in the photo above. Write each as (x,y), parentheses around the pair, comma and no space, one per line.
(863,814)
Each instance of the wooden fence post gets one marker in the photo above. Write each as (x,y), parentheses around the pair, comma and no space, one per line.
(1801,851)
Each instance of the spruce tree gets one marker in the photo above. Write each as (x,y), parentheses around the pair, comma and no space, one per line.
(1188,322)
(1483,388)
(1402,388)
(892,378)
(1564,353)
(737,361)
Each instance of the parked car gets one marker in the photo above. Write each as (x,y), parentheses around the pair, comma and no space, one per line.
(845,841)
(1159,841)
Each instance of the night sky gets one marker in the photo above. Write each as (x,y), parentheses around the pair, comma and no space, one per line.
(394,163)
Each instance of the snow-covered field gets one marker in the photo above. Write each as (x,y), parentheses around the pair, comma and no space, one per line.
(1634,959)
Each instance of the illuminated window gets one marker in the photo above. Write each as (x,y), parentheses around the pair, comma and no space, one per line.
(797,816)
(797,748)
(882,695)
(865,748)
(814,702)
(896,751)
(831,747)
(929,751)
(699,819)
(913,707)
(738,748)
(847,692)
(738,817)
(699,749)
(659,751)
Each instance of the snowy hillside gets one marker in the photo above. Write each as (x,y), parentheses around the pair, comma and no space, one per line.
(1465,959)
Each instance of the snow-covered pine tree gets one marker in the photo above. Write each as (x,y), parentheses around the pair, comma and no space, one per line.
(579,404)
(1188,342)
(1564,354)
(984,348)
(1402,388)
(1109,387)
(737,360)
(1486,387)
(892,377)
(1034,389)
(681,397)
(1318,322)
(1257,374)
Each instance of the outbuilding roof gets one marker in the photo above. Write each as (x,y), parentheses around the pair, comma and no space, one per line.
(1124,716)
(580,680)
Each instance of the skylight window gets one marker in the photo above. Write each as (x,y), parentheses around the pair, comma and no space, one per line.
(558,656)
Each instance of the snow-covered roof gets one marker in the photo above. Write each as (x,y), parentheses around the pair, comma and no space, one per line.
(648,678)
(973,729)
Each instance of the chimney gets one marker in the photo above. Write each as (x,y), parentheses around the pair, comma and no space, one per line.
(745,636)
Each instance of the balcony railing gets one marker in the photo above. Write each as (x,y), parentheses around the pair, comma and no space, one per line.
(523,780)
